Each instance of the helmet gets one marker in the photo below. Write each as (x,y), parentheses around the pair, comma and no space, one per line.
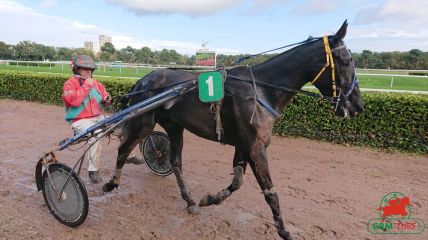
(82,61)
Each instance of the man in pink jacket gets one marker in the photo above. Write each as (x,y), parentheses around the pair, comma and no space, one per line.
(83,99)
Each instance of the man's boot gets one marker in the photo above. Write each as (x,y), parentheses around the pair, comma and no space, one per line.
(94,176)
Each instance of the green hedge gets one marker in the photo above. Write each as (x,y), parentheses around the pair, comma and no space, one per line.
(390,121)
(47,88)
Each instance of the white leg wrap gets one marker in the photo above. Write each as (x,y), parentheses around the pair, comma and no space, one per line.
(268,191)
(116,177)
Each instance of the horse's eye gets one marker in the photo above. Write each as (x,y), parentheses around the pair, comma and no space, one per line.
(347,61)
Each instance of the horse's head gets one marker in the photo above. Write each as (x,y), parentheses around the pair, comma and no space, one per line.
(338,80)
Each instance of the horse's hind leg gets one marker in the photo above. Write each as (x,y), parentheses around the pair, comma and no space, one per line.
(132,132)
(239,165)
(259,165)
(175,134)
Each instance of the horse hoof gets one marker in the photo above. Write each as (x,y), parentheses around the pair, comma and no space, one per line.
(206,201)
(284,234)
(194,209)
(108,187)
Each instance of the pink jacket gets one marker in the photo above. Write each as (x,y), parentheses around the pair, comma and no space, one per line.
(81,99)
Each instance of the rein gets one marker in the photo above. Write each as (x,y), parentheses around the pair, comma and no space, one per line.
(144,91)
(310,39)
(307,93)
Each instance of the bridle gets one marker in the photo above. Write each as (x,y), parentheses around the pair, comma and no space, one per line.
(330,62)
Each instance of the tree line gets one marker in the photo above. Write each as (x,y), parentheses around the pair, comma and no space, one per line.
(414,59)
(30,51)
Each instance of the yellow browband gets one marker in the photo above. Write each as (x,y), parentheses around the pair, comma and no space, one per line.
(329,62)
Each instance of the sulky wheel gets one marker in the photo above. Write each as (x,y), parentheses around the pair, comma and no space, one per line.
(72,208)
(156,152)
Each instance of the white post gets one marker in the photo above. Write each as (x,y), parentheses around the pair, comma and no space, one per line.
(137,69)
(392,81)
(62,66)
(120,68)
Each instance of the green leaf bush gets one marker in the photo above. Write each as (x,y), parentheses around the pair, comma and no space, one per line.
(390,121)
(47,88)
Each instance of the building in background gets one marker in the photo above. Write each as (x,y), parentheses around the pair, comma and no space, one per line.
(89,45)
(104,39)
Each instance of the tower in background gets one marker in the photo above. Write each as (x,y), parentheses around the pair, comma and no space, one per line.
(104,39)
(89,45)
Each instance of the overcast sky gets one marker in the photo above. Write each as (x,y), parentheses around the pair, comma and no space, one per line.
(229,26)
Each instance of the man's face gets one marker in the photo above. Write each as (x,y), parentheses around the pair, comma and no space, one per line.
(84,72)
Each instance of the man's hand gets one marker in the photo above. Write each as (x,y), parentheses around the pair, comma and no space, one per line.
(90,81)
(107,100)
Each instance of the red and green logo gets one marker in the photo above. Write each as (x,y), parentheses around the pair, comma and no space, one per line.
(395,211)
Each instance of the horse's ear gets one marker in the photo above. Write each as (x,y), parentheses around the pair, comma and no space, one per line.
(341,32)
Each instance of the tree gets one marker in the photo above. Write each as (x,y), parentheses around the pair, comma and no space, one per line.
(108,47)
(107,52)
(156,57)
(83,51)
(415,59)
(5,51)
(169,56)
(145,55)
(48,52)
(63,54)
(190,60)
(127,54)
(26,50)
(164,56)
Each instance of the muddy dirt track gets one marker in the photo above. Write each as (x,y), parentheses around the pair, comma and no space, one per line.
(326,191)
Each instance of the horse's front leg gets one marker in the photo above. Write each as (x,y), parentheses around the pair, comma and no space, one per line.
(259,165)
(175,134)
(239,166)
(132,132)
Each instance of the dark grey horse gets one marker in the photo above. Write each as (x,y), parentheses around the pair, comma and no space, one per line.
(247,124)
